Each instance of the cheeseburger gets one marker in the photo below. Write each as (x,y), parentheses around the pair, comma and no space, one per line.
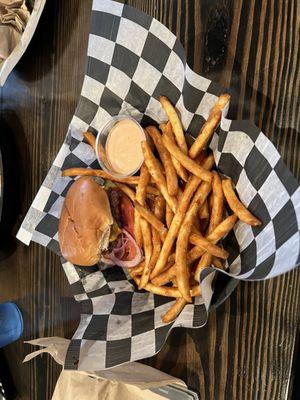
(96,224)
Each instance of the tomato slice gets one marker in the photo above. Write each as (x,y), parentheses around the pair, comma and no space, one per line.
(127,214)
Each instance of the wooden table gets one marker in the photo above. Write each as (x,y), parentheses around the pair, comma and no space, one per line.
(247,350)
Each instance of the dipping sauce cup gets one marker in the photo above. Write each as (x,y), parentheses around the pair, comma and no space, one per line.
(118,145)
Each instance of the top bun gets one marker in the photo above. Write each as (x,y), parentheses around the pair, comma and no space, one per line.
(85,222)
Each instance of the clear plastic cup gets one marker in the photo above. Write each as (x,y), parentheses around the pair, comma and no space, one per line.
(101,145)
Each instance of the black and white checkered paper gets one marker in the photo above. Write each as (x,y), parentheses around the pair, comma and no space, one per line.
(132,60)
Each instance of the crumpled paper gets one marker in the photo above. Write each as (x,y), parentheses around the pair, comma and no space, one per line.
(14,13)
(14,16)
(17,27)
(129,381)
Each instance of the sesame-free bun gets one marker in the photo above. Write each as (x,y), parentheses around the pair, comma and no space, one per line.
(85,222)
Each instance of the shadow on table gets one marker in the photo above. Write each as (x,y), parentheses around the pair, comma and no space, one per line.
(15,169)
(44,42)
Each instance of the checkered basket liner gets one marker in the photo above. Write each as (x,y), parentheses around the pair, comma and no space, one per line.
(133,59)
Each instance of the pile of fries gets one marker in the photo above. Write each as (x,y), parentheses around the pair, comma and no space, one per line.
(180,215)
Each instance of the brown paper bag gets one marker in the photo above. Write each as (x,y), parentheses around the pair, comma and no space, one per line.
(73,385)
(128,381)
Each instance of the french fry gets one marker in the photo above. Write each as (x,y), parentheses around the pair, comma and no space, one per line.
(138,269)
(182,273)
(222,229)
(167,275)
(174,282)
(159,207)
(208,162)
(183,205)
(217,234)
(203,212)
(201,157)
(135,278)
(163,290)
(174,311)
(195,291)
(181,171)
(102,155)
(171,177)
(137,229)
(147,240)
(90,138)
(156,247)
(187,162)
(193,255)
(236,206)
(131,180)
(217,203)
(141,197)
(204,262)
(216,216)
(217,263)
(127,190)
(160,290)
(209,127)
(156,242)
(179,194)
(210,202)
(169,216)
(152,219)
(155,172)
(201,193)
(198,240)
(141,189)
(175,122)
(151,190)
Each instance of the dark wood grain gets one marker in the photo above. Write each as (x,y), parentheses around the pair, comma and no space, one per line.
(247,349)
